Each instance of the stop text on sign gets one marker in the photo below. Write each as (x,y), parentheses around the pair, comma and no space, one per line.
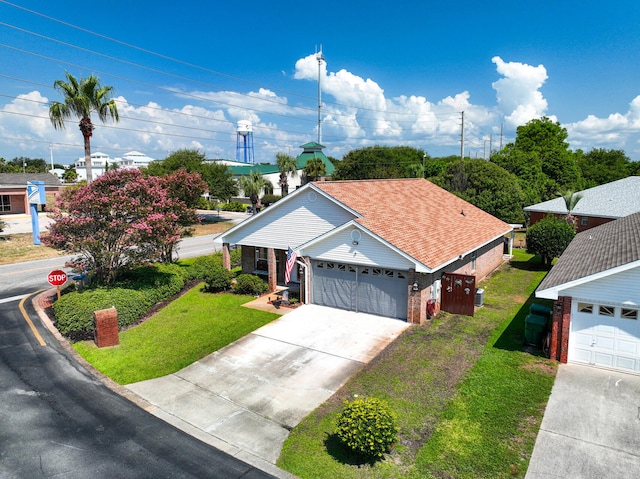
(57,278)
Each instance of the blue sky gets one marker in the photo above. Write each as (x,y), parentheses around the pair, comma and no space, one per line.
(396,73)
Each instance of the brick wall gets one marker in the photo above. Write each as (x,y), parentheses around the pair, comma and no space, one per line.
(560,328)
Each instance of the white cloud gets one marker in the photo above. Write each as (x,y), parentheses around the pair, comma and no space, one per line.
(518,95)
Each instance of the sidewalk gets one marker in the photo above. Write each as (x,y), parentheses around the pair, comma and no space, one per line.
(16,224)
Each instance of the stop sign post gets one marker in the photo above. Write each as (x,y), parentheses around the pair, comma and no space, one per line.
(57,278)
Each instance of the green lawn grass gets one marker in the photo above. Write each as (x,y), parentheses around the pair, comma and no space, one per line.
(189,328)
(468,397)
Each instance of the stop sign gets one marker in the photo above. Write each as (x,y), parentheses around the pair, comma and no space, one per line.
(57,277)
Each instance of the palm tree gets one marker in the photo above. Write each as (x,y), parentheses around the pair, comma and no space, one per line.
(286,164)
(571,200)
(314,169)
(252,185)
(81,99)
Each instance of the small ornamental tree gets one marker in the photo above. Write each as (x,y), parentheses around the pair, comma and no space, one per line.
(367,426)
(549,238)
(120,220)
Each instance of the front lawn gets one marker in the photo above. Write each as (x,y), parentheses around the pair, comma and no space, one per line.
(468,397)
(188,329)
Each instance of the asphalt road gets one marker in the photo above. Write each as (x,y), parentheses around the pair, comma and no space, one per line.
(59,421)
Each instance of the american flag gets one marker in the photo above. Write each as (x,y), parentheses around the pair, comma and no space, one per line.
(291,261)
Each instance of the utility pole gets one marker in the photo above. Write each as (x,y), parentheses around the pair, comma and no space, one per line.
(490,144)
(51,154)
(462,137)
(501,125)
(320,59)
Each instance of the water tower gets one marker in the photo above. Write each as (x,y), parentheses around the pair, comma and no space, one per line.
(244,146)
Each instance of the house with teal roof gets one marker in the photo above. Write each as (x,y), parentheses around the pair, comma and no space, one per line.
(310,151)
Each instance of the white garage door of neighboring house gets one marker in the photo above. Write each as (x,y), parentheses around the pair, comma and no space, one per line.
(607,336)
(358,288)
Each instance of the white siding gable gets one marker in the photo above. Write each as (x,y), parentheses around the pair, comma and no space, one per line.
(292,221)
(619,288)
(369,251)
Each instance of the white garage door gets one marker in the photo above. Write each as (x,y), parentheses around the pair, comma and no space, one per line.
(606,336)
(359,288)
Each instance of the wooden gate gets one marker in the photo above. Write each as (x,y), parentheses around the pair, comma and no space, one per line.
(458,293)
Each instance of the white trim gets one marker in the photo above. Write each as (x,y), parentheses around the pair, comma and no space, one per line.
(419,267)
(220,238)
(553,292)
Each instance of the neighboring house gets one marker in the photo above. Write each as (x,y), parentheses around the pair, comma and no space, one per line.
(597,298)
(597,205)
(13,190)
(387,247)
(272,174)
(101,161)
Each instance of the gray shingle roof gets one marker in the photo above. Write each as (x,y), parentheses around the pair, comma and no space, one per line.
(20,179)
(599,249)
(612,200)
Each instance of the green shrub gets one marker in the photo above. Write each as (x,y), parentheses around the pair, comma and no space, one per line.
(249,284)
(217,278)
(132,296)
(268,200)
(233,206)
(236,257)
(156,282)
(202,264)
(74,311)
(367,426)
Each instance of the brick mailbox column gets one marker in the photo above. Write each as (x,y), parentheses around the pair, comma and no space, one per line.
(106,327)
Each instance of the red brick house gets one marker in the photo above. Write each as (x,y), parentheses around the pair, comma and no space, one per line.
(597,205)
(13,190)
(394,247)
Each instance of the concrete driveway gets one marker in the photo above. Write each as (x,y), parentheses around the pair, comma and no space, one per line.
(245,398)
(591,427)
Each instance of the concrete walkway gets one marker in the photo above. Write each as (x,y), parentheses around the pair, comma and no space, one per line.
(591,427)
(245,398)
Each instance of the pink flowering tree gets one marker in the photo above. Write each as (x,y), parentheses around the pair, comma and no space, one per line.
(123,219)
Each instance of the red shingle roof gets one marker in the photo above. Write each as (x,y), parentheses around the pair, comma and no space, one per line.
(418,217)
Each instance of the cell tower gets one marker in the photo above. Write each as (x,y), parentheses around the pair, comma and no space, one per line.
(244,146)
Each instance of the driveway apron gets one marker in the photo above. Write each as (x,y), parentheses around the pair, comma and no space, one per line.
(591,427)
(245,398)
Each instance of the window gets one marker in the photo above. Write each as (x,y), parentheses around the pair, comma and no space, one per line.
(331,266)
(364,271)
(401,275)
(5,203)
(261,259)
(629,313)
(342,267)
(585,308)
(320,265)
(584,221)
(389,273)
(352,269)
(377,272)
(606,311)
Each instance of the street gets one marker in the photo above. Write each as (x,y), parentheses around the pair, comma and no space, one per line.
(60,421)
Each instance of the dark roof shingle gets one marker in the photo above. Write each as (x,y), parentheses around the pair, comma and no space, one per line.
(599,249)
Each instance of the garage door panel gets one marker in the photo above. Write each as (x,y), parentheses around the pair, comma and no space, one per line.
(627,347)
(603,359)
(628,364)
(605,343)
(583,339)
(582,356)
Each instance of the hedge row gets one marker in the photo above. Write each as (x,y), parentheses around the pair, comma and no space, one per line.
(135,293)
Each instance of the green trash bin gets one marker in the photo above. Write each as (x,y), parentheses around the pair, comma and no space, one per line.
(534,329)
(540,309)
